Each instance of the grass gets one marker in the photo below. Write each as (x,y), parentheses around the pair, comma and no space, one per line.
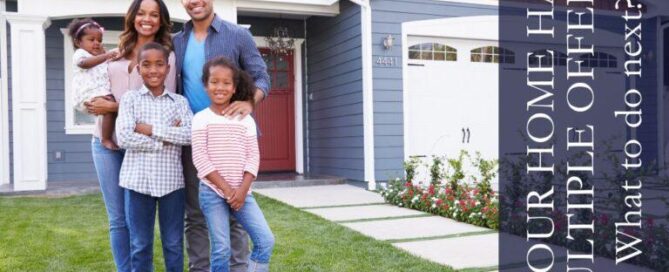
(70,234)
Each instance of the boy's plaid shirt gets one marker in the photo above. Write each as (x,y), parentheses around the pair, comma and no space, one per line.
(152,165)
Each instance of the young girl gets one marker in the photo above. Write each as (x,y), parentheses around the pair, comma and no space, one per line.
(90,78)
(153,124)
(225,153)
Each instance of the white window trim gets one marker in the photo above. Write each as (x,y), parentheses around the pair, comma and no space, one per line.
(110,36)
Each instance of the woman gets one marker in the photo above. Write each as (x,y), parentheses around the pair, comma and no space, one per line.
(145,21)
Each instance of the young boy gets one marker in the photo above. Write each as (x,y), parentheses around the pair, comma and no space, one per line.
(153,123)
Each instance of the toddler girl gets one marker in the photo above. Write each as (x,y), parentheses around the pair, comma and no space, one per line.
(90,79)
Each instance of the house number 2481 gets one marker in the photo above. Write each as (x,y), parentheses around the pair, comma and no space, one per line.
(387,61)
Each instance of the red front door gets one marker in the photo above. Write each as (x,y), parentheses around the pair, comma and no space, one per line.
(275,116)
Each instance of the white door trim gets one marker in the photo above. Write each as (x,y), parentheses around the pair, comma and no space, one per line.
(298,119)
(4,99)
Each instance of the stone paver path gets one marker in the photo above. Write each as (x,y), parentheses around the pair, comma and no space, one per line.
(435,238)
(458,252)
(342,214)
(322,196)
(407,228)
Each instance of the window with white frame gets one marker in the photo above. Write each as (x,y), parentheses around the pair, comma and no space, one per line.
(75,121)
(493,54)
(433,51)
(600,60)
(542,57)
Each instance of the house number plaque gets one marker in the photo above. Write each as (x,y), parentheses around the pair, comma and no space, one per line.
(387,61)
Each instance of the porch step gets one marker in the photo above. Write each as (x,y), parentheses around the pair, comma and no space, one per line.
(283,180)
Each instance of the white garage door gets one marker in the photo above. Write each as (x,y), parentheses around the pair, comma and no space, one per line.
(451,101)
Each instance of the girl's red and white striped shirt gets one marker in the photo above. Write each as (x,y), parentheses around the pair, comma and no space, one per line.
(226,145)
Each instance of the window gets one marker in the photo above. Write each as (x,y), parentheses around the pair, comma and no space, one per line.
(279,68)
(559,58)
(493,54)
(599,59)
(433,51)
(75,121)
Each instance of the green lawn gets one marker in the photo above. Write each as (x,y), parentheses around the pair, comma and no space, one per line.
(70,234)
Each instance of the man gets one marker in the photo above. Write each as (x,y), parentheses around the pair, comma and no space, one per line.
(204,37)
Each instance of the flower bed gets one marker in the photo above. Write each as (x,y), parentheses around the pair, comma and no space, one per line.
(446,194)
(465,204)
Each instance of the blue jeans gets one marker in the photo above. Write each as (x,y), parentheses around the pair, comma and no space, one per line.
(141,222)
(108,166)
(217,213)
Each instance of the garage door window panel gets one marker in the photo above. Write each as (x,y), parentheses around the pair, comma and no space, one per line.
(492,54)
(433,51)
(559,58)
(599,60)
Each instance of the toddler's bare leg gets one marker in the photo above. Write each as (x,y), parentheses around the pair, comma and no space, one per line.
(108,122)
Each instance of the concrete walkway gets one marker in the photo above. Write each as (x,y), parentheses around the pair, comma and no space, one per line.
(435,238)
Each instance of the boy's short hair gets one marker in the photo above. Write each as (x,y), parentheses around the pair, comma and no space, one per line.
(153,46)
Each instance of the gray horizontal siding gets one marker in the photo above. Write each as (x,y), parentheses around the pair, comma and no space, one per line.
(335,127)
(387,18)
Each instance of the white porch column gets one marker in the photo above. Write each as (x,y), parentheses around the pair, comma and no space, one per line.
(29,100)
(367,91)
(4,99)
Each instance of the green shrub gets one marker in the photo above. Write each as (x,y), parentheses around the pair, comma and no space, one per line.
(436,170)
(410,168)
(457,173)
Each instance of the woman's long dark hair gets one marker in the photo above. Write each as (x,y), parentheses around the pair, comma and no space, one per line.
(245,88)
(128,39)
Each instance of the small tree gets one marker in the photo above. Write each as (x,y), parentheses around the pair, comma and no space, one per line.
(488,171)
(457,173)
(436,170)
(410,168)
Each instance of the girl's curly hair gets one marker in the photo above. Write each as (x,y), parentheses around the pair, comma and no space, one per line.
(244,86)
